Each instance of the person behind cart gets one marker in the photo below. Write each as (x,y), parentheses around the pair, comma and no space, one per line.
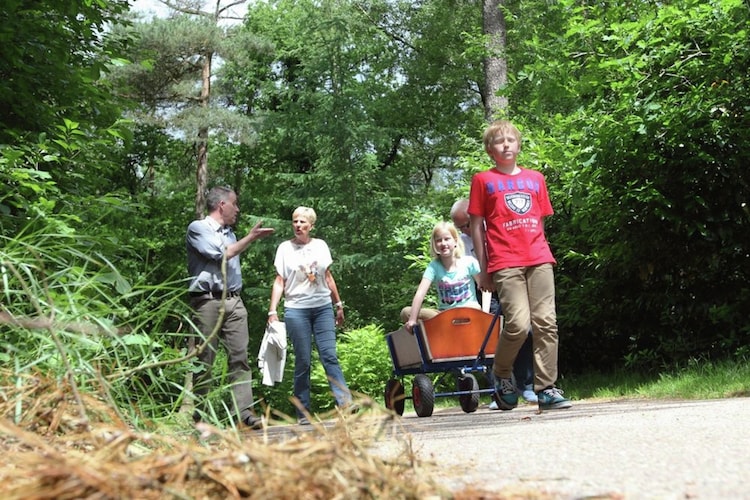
(523,366)
(452,272)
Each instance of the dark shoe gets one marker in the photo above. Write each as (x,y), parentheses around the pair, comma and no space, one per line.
(505,394)
(551,399)
(303,421)
(253,422)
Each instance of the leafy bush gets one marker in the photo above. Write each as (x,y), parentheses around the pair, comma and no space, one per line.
(366,363)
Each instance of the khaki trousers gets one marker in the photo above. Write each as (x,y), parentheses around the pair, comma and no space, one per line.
(527,297)
(424,314)
(234,336)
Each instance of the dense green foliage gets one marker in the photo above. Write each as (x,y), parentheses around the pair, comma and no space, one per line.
(655,252)
(53,55)
(369,112)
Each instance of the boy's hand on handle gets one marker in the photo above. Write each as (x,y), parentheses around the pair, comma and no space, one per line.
(485,282)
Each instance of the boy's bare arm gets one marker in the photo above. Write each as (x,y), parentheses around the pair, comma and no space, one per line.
(478,237)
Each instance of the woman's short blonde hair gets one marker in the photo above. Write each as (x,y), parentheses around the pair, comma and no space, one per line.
(306,212)
(442,227)
(499,126)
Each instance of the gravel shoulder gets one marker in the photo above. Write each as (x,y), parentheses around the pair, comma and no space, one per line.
(631,449)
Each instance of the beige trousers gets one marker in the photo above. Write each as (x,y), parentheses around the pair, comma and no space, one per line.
(424,313)
(527,296)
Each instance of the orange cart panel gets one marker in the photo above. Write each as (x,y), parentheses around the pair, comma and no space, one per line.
(457,334)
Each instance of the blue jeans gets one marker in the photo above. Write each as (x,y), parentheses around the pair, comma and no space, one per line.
(318,324)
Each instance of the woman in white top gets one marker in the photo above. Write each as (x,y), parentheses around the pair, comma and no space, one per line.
(303,276)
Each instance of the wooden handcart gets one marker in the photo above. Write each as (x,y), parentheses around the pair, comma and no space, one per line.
(452,343)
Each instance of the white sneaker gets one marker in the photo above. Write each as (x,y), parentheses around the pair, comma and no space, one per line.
(493,405)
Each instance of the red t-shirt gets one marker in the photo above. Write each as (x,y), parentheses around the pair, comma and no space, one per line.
(513,207)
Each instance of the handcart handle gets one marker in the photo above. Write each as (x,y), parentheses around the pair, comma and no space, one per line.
(481,355)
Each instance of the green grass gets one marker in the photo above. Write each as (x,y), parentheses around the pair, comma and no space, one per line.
(697,380)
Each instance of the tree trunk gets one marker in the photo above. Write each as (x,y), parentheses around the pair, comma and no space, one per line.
(201,178)
(495,64)
(201,175)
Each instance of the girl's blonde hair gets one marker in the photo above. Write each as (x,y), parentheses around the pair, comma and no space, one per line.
(306,212)
(442,227)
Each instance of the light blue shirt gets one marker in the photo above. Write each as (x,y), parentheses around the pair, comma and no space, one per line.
(455,288)
(207,241)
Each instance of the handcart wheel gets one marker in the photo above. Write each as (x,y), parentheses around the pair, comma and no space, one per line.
(469,402)
(423,395)
(394,396)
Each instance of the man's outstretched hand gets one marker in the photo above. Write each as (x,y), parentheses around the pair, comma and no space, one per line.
(258,232)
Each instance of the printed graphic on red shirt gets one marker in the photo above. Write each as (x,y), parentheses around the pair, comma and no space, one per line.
(530,224)
(519,203)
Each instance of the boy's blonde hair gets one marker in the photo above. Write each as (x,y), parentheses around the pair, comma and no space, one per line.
(503,126)
(306,212)
(442,227)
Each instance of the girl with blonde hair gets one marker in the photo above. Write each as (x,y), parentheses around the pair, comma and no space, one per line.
(452,272)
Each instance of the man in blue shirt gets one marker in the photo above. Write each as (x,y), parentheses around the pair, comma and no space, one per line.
(209,241)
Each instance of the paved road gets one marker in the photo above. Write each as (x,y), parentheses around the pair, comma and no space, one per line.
(632,449)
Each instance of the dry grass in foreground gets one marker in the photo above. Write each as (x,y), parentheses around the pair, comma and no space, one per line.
(58,444)
(52,451)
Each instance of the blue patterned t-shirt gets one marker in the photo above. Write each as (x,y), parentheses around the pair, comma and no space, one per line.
(456,288)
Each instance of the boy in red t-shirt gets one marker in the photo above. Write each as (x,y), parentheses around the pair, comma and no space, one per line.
(507,205)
